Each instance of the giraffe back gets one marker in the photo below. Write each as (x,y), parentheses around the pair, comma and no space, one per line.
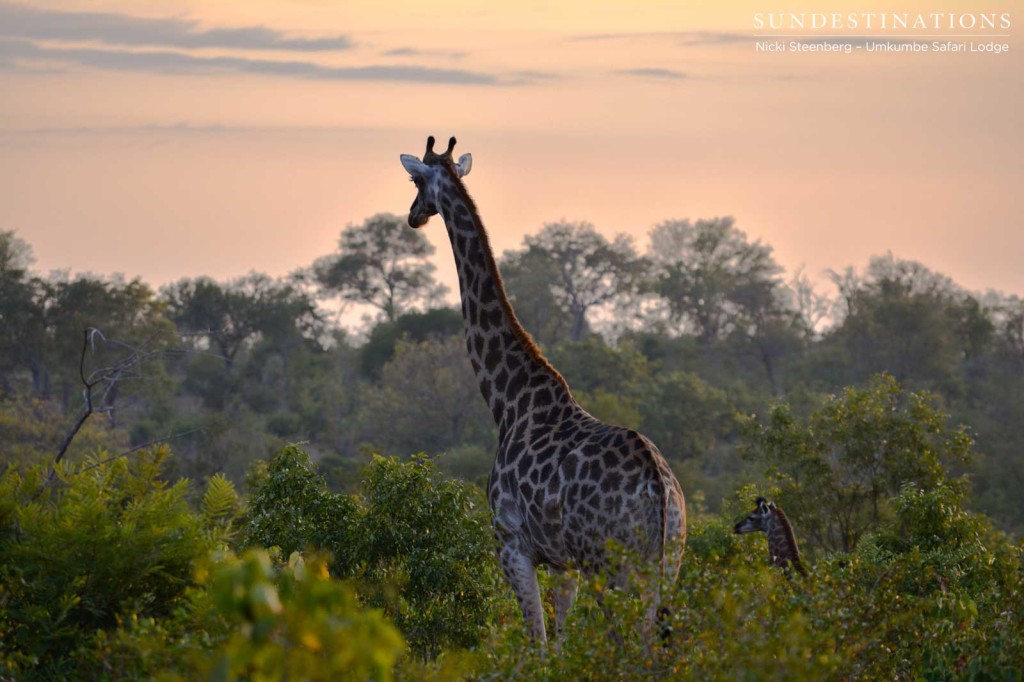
(567,483)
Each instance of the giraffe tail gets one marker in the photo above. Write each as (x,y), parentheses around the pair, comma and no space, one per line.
(664,615)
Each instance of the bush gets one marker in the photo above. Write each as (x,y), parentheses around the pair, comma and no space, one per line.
(734,617)
(291,508)
(430,538)
(251,618)
(418,545)
(294,622)
(838,469)
(107,543)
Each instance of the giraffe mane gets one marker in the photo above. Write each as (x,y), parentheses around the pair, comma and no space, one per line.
(787,528)
(523,336)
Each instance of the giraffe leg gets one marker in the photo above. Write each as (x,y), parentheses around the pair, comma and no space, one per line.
(613,628)
(564,594)
(655,615)
(521,573)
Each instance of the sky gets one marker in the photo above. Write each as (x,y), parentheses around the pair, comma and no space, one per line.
(179,138)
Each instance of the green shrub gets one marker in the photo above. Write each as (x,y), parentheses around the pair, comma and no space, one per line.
(961,576)
(106,543)
(251,618)
(838,469)
(733,617)
(429,538)
(294,622)
(291,508)
(418,545)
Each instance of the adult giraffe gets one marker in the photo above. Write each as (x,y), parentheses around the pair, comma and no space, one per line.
(563,483)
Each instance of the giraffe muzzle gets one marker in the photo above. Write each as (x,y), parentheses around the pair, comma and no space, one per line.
(417,221)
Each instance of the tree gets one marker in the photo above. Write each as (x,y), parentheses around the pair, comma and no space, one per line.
(110,544)
(127,313)
(379,348)
(420,545)
(711,277)
(22,328)
(286,321)
(528,275)
(906,320)
(222,313)
(293,622)
(382,263)
(838,469)
(811,307)
(432,536)
(290,507)
(427,400)
(717,283)
(588,270)
(275,317)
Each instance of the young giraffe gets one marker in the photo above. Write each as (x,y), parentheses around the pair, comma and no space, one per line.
(563,483)
(782,546)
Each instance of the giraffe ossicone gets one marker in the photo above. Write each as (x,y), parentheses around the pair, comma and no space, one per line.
(563,483)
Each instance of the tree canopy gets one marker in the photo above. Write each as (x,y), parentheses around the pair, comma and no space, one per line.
(382,263)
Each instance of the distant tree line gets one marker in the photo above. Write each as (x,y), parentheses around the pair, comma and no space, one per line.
(685,340)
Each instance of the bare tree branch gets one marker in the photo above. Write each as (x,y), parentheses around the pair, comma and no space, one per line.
(104,382)
(86,412)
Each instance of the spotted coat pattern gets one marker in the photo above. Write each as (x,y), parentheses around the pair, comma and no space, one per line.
(769,519)
(563,483)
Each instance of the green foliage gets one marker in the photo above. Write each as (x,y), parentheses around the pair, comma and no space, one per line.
(225,316)
(590,365)
(430,538)
(469,462)
(427,399)
(290,508)
(680,412)
(419,545)
(106,543)
(910,322)
(220,507)
(31,431)
(294,623)
(685,415)
(837,469)
(251,618)
(109,575)
(379,348)
(97,576)
(733,617)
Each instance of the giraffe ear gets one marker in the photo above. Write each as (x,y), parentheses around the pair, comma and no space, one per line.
(414,166)
(464,165)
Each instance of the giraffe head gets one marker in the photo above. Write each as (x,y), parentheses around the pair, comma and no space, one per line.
(430,175)
(758,520)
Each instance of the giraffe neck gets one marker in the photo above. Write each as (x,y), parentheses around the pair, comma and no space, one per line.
(782,543)
(509,366)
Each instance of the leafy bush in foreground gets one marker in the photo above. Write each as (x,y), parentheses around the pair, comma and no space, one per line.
(110,575)
(430,539)
(917,612)
(106,543)
(291,508)
(419,545)
(295,623)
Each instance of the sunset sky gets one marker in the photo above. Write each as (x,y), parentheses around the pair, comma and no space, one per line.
(171,139)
